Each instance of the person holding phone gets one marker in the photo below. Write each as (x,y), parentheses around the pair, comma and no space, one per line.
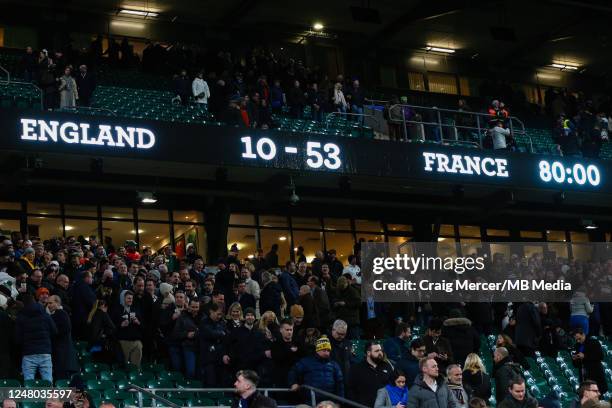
(129,329)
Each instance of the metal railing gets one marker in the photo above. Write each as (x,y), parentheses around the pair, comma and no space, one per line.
(479,124)
(361,121)
(11,82)
(377,101)
(151,392)
(8,74)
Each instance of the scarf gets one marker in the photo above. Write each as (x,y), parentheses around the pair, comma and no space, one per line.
(397,395)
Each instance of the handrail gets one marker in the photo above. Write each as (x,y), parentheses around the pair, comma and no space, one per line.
(343,400)
(40,91)
(140,391)
(352,114)
(77,108)
(478,128)
(8,74)
(383,102)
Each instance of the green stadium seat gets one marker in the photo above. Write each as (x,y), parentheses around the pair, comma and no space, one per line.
(100,385)
(122,384)
(10,382)
(189,384)
(31,404)
(225,402)
(36,383)
(153,367)
(113,375)
(118,394)
(201,402)
(170,375)
(160,384)
(95,367)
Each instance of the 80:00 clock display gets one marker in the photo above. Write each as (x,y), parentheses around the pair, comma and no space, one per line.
(578,173)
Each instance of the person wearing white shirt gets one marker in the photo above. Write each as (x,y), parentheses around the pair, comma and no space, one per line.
(353,269)
(499,134)
(200,89)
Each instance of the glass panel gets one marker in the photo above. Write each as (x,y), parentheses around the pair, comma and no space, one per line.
(310,240)
(242,219)
(464,86)
(44,228)
(442,83)
(304,222)
(579,236)
(399,227)
(244,238)
(497,249)
(447,247)
(118,231)
(342,243)
(555,235)
(530,250)
(81,210)
(416,81)
(469,231)
(560,249)
(117,212)
(399,240)
(447,230)
(5,205)
(531,234)
(81,227)
(370,237)
(273,221)
(280,237)
(154,236)
(188,216)
(470,246)
(189,234)
(582,252)
(8,226)
(337,223)
(155,215)
(498,233)
(44,208)
(367,225)
(388,77)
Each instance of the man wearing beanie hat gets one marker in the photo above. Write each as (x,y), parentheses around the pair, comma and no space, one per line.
(297,314)
(318,371)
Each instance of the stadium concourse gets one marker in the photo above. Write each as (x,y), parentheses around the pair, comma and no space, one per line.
(183,209)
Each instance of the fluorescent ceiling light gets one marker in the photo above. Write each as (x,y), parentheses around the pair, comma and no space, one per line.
(563,67)
(440,49)
(591,227)
(128,24)
(147,198)
(318,26)
(141,13)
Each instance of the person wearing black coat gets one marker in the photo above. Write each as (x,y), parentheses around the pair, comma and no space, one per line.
(246,346)
(7,346)
(462,336)
(528,329)
(342,349)
(311,313)
(65,362)
(185,333)
(83,299)
(34,330)
(296,101)
(212,340)
(270,296)
(285,353)
(587,357)
(101,331)
(369,375)
(182,87)
(86,85)
(247,394)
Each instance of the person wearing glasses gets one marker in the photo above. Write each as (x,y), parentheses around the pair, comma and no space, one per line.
(587,391)
(409,365)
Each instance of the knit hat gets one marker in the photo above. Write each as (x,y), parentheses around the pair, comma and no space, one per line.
(28,250)
(323,344)
(155,273)
(249,310)
(41,291)
(296,311)
(165,288)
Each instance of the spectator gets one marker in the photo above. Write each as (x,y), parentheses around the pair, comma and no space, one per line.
(317,103)
(429,389)
(588,390)
(29,65)
(48,84)
(438,347)
(517,396)
(409,365)
(285,353)
(212,337)
(580,308)
(504,370)
(200,90)
(528,329)
(296,101)
(68,90)
(503,340)
(83,300)
(9,403)
(101,333)
(338,99)
(271,257)
(353,269)
(86,85)
(587,357)
(455,385)
(475,376)
(318,371)
(346,307)
(499,135)
(368,376)
(64,357)
(341,348)
(311,313)
(396,347)
(394,394)
(289,284)
(271,294)
(461,335)
(245,299)
(356,98)
(276,97)
(182,87)
(185,334)
(34,330)
(246,347)
(246,389)
(128,321)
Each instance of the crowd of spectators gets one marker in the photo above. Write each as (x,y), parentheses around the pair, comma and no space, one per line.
(286,326)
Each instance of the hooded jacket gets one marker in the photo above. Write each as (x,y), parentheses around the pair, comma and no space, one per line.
(319,373)
(462,336)
(422,396)
(34,330)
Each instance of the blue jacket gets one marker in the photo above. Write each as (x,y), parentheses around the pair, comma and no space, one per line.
(396,348)
(319,373)
(290,288)
(34,330)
